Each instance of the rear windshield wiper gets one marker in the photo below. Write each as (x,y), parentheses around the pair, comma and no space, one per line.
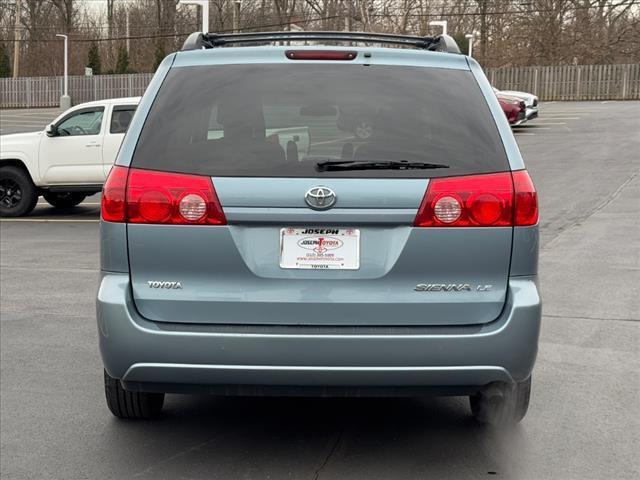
(376,165)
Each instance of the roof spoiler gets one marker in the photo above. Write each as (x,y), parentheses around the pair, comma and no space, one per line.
(200,41)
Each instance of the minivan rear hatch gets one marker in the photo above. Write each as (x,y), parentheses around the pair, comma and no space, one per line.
(320,169)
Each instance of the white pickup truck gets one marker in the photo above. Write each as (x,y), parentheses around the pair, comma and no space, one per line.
(67,161)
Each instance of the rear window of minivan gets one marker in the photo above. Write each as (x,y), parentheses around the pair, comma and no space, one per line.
(279,120)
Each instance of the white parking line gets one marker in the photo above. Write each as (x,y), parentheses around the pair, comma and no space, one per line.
(567,112)
(553,123)
(523,133)
(532,127)
(564,118)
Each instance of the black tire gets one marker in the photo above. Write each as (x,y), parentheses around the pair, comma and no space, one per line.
(18,194)
(131,405)
(501,404)
(64,199)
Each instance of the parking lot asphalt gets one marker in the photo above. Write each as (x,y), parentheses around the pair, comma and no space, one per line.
(26,120)
(584,419)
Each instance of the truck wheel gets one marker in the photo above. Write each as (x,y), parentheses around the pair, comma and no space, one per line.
(132,405)
(501,404)
(18,194)
(64,199)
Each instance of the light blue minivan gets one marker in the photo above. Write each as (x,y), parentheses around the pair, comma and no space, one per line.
(252,244)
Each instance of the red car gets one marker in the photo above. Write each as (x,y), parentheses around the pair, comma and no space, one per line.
(514,108)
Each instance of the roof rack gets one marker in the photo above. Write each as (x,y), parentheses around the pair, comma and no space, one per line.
(199,40)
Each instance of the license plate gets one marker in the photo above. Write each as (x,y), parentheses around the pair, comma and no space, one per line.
(320,248)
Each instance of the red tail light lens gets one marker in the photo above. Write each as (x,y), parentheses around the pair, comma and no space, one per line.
(114,195)
(493,200)
(526,199)
(145,196)
(160,197)
(320,55)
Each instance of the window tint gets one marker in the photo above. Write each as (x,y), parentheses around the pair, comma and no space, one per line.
(121,118)
(84,122)
(280,120)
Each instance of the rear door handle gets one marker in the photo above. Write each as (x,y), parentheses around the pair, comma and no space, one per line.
(92,145)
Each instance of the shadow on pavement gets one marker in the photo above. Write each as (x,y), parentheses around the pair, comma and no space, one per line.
(303,437)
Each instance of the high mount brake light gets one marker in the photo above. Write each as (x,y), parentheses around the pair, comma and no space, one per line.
(320,55)
(492,200)
(145,196)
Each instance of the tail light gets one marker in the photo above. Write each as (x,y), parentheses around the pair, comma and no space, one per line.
(492,200)
(526,199)
(114,194)
(145,196)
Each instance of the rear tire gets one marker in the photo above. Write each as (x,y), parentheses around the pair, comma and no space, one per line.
(64,199)
(501,404)
(131,405)
(18,194)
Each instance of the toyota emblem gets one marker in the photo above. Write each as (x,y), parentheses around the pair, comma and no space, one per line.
(320,198)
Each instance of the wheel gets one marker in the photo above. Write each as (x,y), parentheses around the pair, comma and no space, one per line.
(64,199)
(501,403)
(132,405)
(18,194)
(363,128)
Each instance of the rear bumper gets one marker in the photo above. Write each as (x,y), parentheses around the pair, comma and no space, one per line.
(150,356)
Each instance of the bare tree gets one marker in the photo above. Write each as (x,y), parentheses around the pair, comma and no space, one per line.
(67,12)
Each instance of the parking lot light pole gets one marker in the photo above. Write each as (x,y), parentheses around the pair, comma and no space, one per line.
(205,11)
(440,23)
(236,16)
(65,99)
(470,37)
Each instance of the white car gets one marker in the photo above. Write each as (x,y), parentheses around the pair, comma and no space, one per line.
(530,101)
(67,161)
